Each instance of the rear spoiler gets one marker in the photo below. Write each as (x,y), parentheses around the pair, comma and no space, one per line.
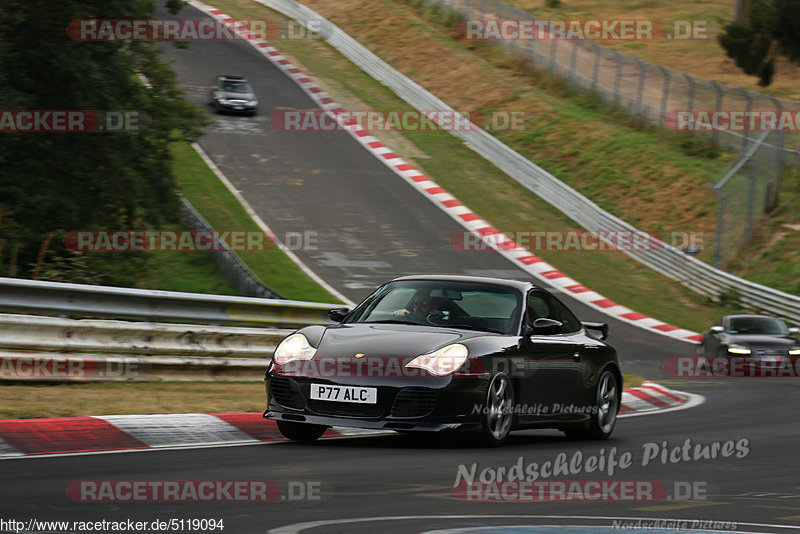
(599,327)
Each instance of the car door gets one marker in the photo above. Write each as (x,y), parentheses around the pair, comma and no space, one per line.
(551,369)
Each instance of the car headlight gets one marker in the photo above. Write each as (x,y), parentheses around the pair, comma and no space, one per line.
(444,361)
(794,352)
(738,349)
(294,347)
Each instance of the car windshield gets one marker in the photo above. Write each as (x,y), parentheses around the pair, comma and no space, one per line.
(230,86)
(758,326)
(471,306)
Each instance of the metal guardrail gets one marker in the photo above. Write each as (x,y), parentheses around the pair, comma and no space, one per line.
(75,346)
(665,259)
(231,265)
(21,366)
(80,300)
(95,336)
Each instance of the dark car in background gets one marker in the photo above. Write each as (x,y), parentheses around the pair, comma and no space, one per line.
(233,94)
(752,336)
(437,353)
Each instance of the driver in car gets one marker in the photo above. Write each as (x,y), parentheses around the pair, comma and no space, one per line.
(418,311)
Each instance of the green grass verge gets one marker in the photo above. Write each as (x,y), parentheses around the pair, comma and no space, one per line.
(29,400)
(23,401)
(192,272)
(224,212)
(631,381)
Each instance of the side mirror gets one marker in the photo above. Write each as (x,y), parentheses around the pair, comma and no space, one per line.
(337,315)
(717,329)
(602,328)
(793,330)
(545,325)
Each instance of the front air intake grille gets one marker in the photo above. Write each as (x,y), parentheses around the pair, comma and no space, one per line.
(346,409)
(414,402)
(770,352)
(286,393)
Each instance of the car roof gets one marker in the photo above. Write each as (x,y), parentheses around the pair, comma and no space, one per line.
(748,315)
(231,77)
(516,284)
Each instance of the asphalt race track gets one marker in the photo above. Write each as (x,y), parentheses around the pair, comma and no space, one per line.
(372,226)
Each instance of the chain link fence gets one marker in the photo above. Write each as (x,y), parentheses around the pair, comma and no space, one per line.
(657,95)
(747,191)
(651,92)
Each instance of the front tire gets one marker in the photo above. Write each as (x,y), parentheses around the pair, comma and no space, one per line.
(607,396)
(498,411)
(301,431)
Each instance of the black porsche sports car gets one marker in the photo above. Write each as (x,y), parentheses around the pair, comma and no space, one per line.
(754,336)
(435,353)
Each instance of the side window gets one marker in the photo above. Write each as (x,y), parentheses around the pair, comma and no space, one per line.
(537,307)
(571,323)
(543,305)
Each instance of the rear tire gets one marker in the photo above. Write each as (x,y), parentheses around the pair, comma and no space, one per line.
(498,412)
(301,431)
(607,398)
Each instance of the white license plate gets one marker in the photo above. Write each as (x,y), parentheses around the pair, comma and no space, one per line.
(360,395)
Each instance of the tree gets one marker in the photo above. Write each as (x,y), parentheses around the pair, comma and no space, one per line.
(50,182)
(768,28)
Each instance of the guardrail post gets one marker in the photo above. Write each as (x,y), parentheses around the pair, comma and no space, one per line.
(751,201)
(664,93)
(720,228)
(596,69)
(532,51)
(618,76)
(746,133)
(717,107)
(640,107)
(781,156)
(573,59)
(690,98)
(553,50)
